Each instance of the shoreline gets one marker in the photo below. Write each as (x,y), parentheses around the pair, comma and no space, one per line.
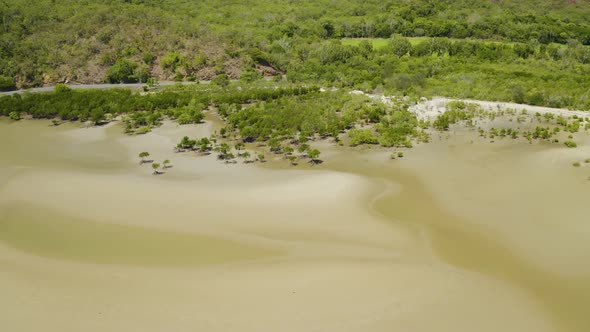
(432,108)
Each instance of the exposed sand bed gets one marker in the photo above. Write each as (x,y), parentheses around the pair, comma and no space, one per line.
(430,109)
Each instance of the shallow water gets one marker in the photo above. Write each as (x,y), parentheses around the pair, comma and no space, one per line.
(454,237)
(509,210)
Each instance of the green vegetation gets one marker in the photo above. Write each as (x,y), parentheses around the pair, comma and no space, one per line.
(7,83)
(14,116)
(125,71)
(375,43)
(520,51)
(142,156)
(362,136)
(156,167)
(297,116)
(221,80)
(314,155)
(287,123)
(576,164)
(184,104)
(570,144)
(456,68)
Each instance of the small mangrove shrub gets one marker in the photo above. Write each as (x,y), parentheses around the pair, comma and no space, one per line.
(14,116)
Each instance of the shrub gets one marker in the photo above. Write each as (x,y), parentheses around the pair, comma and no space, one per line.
(361,136)
(123,71)
(7,83)
(570,144)
(14,116)
(221,80)
(149,58)
(62,88)
(143,130)
(250,75)
(184,118)
(171,61)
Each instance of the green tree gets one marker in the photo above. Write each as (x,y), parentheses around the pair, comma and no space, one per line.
(62,88)
(221,80)
(314,155)
(7,83)
(250,75)
(187,143)
(184,118)
(148,58)
(156,166)
(123,71)
(302,148)
(570,144)
(166,163)
(400,46)
(14,115)
(172,61)
(204,144)
(97,116)
(142,156)
(287,150)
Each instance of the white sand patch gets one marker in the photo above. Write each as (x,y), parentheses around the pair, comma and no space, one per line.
(430,109)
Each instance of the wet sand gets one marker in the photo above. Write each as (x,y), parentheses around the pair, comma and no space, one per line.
(455,237)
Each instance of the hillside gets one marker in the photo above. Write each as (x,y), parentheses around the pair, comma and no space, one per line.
(112,40)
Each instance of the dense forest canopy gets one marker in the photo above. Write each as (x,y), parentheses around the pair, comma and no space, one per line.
(52,41)
(313,53)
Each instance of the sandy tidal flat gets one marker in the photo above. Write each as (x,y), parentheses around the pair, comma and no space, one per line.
(90,240)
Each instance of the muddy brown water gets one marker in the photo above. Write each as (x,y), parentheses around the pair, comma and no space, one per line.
(459,235)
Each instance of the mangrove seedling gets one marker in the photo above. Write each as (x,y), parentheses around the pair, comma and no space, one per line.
(156,166)
(143,155)
(314,155)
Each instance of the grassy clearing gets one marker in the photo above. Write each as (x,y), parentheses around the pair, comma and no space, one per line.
(382,42)
(377,42)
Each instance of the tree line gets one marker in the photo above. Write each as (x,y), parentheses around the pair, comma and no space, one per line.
(127,41)
(184,103)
